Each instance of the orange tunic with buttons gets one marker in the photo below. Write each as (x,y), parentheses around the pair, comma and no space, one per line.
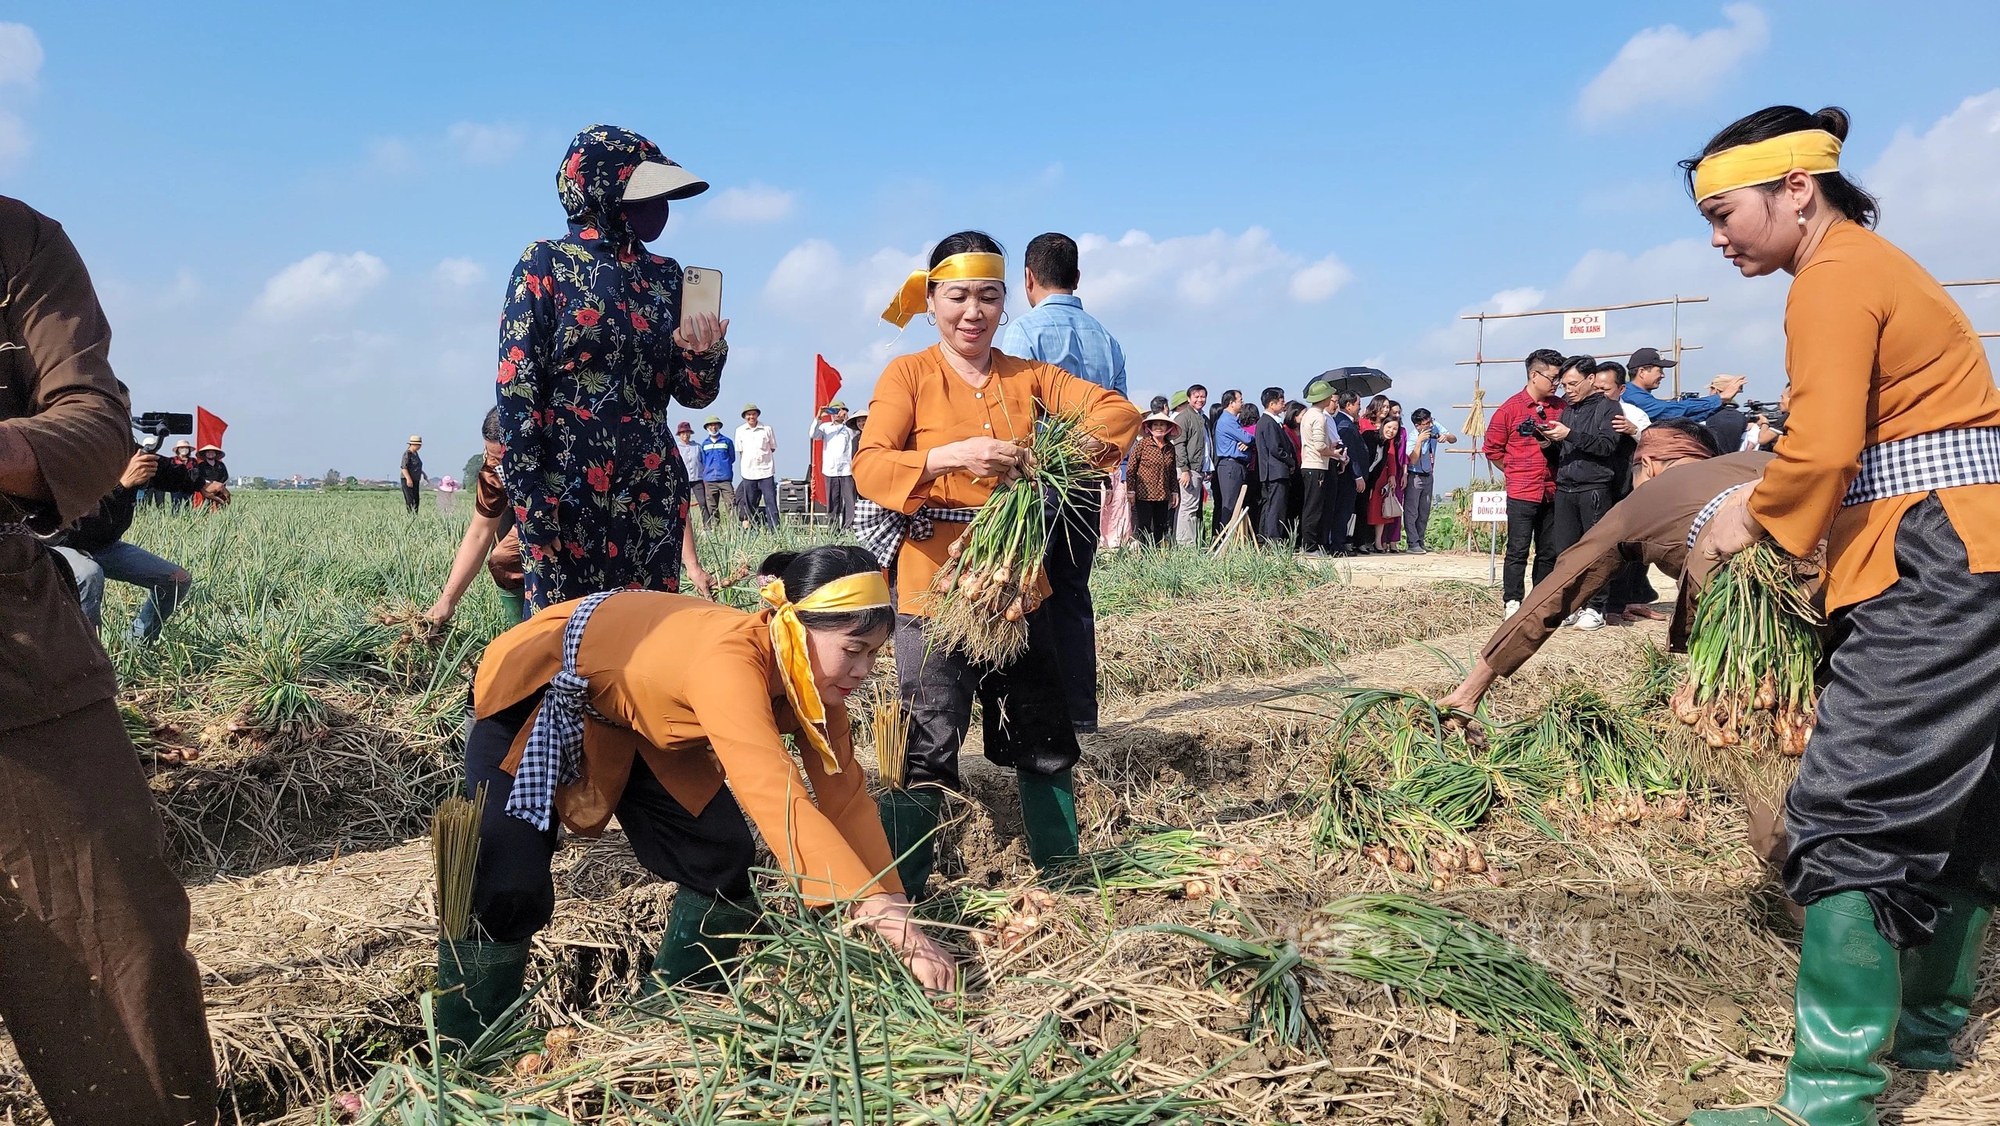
(692,688)
(920,404)
(1877,351)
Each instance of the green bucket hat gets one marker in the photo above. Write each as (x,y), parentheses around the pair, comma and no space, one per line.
(711,420)
(748,407)
(836,405)
(1318,391)
(1177,400)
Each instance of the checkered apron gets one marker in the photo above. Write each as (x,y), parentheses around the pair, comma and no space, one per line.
(1942,459)
(883,530)
(554,755)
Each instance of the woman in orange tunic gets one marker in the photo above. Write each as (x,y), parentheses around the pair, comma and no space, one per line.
(1892,461)
(643,703)
(945,425)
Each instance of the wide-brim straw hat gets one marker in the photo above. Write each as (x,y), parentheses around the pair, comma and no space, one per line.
(205,449)
(183,444)
(1162,417)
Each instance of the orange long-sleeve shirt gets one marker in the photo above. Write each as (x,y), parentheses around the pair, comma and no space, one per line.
(1877,351)
(692,688)
(920,404)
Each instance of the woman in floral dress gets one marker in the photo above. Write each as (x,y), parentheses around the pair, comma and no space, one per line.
(591,349)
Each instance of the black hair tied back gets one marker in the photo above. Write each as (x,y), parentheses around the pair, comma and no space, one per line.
(804,572)
(1839,192)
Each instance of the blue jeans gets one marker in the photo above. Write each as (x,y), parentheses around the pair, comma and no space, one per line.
(128,563)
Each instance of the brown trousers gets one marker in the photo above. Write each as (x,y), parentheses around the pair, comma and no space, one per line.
(96,984)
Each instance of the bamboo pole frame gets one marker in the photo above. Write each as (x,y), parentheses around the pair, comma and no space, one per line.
(1976,281)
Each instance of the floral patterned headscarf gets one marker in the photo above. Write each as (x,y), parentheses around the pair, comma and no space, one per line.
(591,182)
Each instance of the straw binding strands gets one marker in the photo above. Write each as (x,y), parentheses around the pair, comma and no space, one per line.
(982,596)
(891,728)
(455,849)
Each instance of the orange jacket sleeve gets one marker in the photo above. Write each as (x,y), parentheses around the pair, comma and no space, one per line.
(1833,326)
(731,700)
(884,471)
(1107,414)
(846,802)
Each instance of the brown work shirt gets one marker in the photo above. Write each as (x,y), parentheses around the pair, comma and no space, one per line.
(1650,526)
(692,687)
(58,395)
(920,404)
(1877,352)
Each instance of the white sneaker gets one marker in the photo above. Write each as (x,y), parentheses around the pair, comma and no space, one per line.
(1588,619)
(1513,606)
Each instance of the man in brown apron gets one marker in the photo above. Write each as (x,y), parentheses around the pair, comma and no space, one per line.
(96,984)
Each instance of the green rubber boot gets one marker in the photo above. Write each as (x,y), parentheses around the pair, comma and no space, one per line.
(1048,811)
(911,819)
(476,982)
(703,934)
(1850,993)
(1938,984)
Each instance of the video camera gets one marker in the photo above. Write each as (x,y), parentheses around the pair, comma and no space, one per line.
(155,427)
(1773,414)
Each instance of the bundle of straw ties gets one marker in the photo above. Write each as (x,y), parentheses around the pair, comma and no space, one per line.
(455,850)
(1754,647)
(983,595)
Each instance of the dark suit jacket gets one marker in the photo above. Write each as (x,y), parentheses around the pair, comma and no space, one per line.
(1357,445)
(1276,459)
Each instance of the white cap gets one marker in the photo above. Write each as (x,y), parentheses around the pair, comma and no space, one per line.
(656,178)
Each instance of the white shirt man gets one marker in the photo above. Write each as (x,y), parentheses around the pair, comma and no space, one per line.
(836,461)
(757,461)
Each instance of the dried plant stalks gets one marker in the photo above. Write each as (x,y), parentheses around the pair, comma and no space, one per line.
(891,726)
(455,849)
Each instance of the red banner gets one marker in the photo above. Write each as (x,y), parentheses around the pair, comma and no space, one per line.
(826,384)
(208,429)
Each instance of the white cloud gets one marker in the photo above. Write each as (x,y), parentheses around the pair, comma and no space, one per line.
(1320,280)
(458,273)
(484,144)
(20,54)
(1517,300)
(757,203)
(1666,66)
(1940,190)
(813,283)
(321,282)
(14,140)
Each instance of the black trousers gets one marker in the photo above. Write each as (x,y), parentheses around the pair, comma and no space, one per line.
(1632,587)
(410,497)
(1528,523)
(840,500)
(1071,552)
(1576,512)
(758,494)
(1153,520)
(1312,509)
(1341,503)
(1271,521)
(1899,790)
(513,894)
(1023,706)
(1230,476)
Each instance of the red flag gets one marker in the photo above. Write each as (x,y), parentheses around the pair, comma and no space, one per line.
(207,429)
(826,384)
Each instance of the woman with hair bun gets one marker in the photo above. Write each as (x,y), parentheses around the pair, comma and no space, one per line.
(1891,461)
(643,704)
(946,425)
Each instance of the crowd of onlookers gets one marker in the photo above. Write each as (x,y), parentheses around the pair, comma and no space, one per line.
(1564,445)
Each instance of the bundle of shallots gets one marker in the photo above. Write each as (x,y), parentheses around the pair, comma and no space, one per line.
(982,597)
(1754,646)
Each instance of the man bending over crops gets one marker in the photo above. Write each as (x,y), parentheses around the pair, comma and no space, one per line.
(96,984)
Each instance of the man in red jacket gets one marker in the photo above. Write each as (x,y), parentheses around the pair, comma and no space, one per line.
(1516,442)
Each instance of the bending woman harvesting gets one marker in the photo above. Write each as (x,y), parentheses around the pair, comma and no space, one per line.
(945,426)
(643,704)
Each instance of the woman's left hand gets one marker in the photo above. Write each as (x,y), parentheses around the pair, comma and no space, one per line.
(928,962)
(1731,529)
(701,333)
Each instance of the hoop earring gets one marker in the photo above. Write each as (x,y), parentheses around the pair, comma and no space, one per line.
(932,318)
(1003,320)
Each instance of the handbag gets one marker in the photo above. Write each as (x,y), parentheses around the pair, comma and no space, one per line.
(1391,507)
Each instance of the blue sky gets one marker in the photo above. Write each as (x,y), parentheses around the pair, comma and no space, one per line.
(302,217)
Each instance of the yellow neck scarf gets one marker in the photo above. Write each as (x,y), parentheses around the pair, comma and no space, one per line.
(1809,150)
(864,591)
(971,266)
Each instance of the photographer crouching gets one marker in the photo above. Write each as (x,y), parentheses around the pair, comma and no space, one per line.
(96,550)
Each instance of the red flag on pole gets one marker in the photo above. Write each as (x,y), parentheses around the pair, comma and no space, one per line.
(207,429)
(826,384)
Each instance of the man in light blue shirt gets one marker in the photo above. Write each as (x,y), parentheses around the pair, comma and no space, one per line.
(1056,330)
(1649,370)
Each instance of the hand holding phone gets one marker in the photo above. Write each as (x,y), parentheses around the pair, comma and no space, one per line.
(701,327)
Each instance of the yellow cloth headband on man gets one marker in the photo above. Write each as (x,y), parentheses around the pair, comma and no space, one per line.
(1809,150)
(970,266)
(865,591)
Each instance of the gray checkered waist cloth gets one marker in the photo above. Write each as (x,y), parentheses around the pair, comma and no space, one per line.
(883,530)
(1942,459)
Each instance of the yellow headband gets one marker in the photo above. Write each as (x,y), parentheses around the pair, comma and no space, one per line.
(971,266)
(1809,150)
(864,591)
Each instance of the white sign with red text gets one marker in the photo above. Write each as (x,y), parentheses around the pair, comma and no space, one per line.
(1587,325)
(1489,508)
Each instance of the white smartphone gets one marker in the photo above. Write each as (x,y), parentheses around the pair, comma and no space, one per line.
(701,292)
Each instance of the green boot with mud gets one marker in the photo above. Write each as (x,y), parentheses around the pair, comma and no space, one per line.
(1048,812)
(476,982)
(911,818)
(1850,994)
(1939,981)
(703,934)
